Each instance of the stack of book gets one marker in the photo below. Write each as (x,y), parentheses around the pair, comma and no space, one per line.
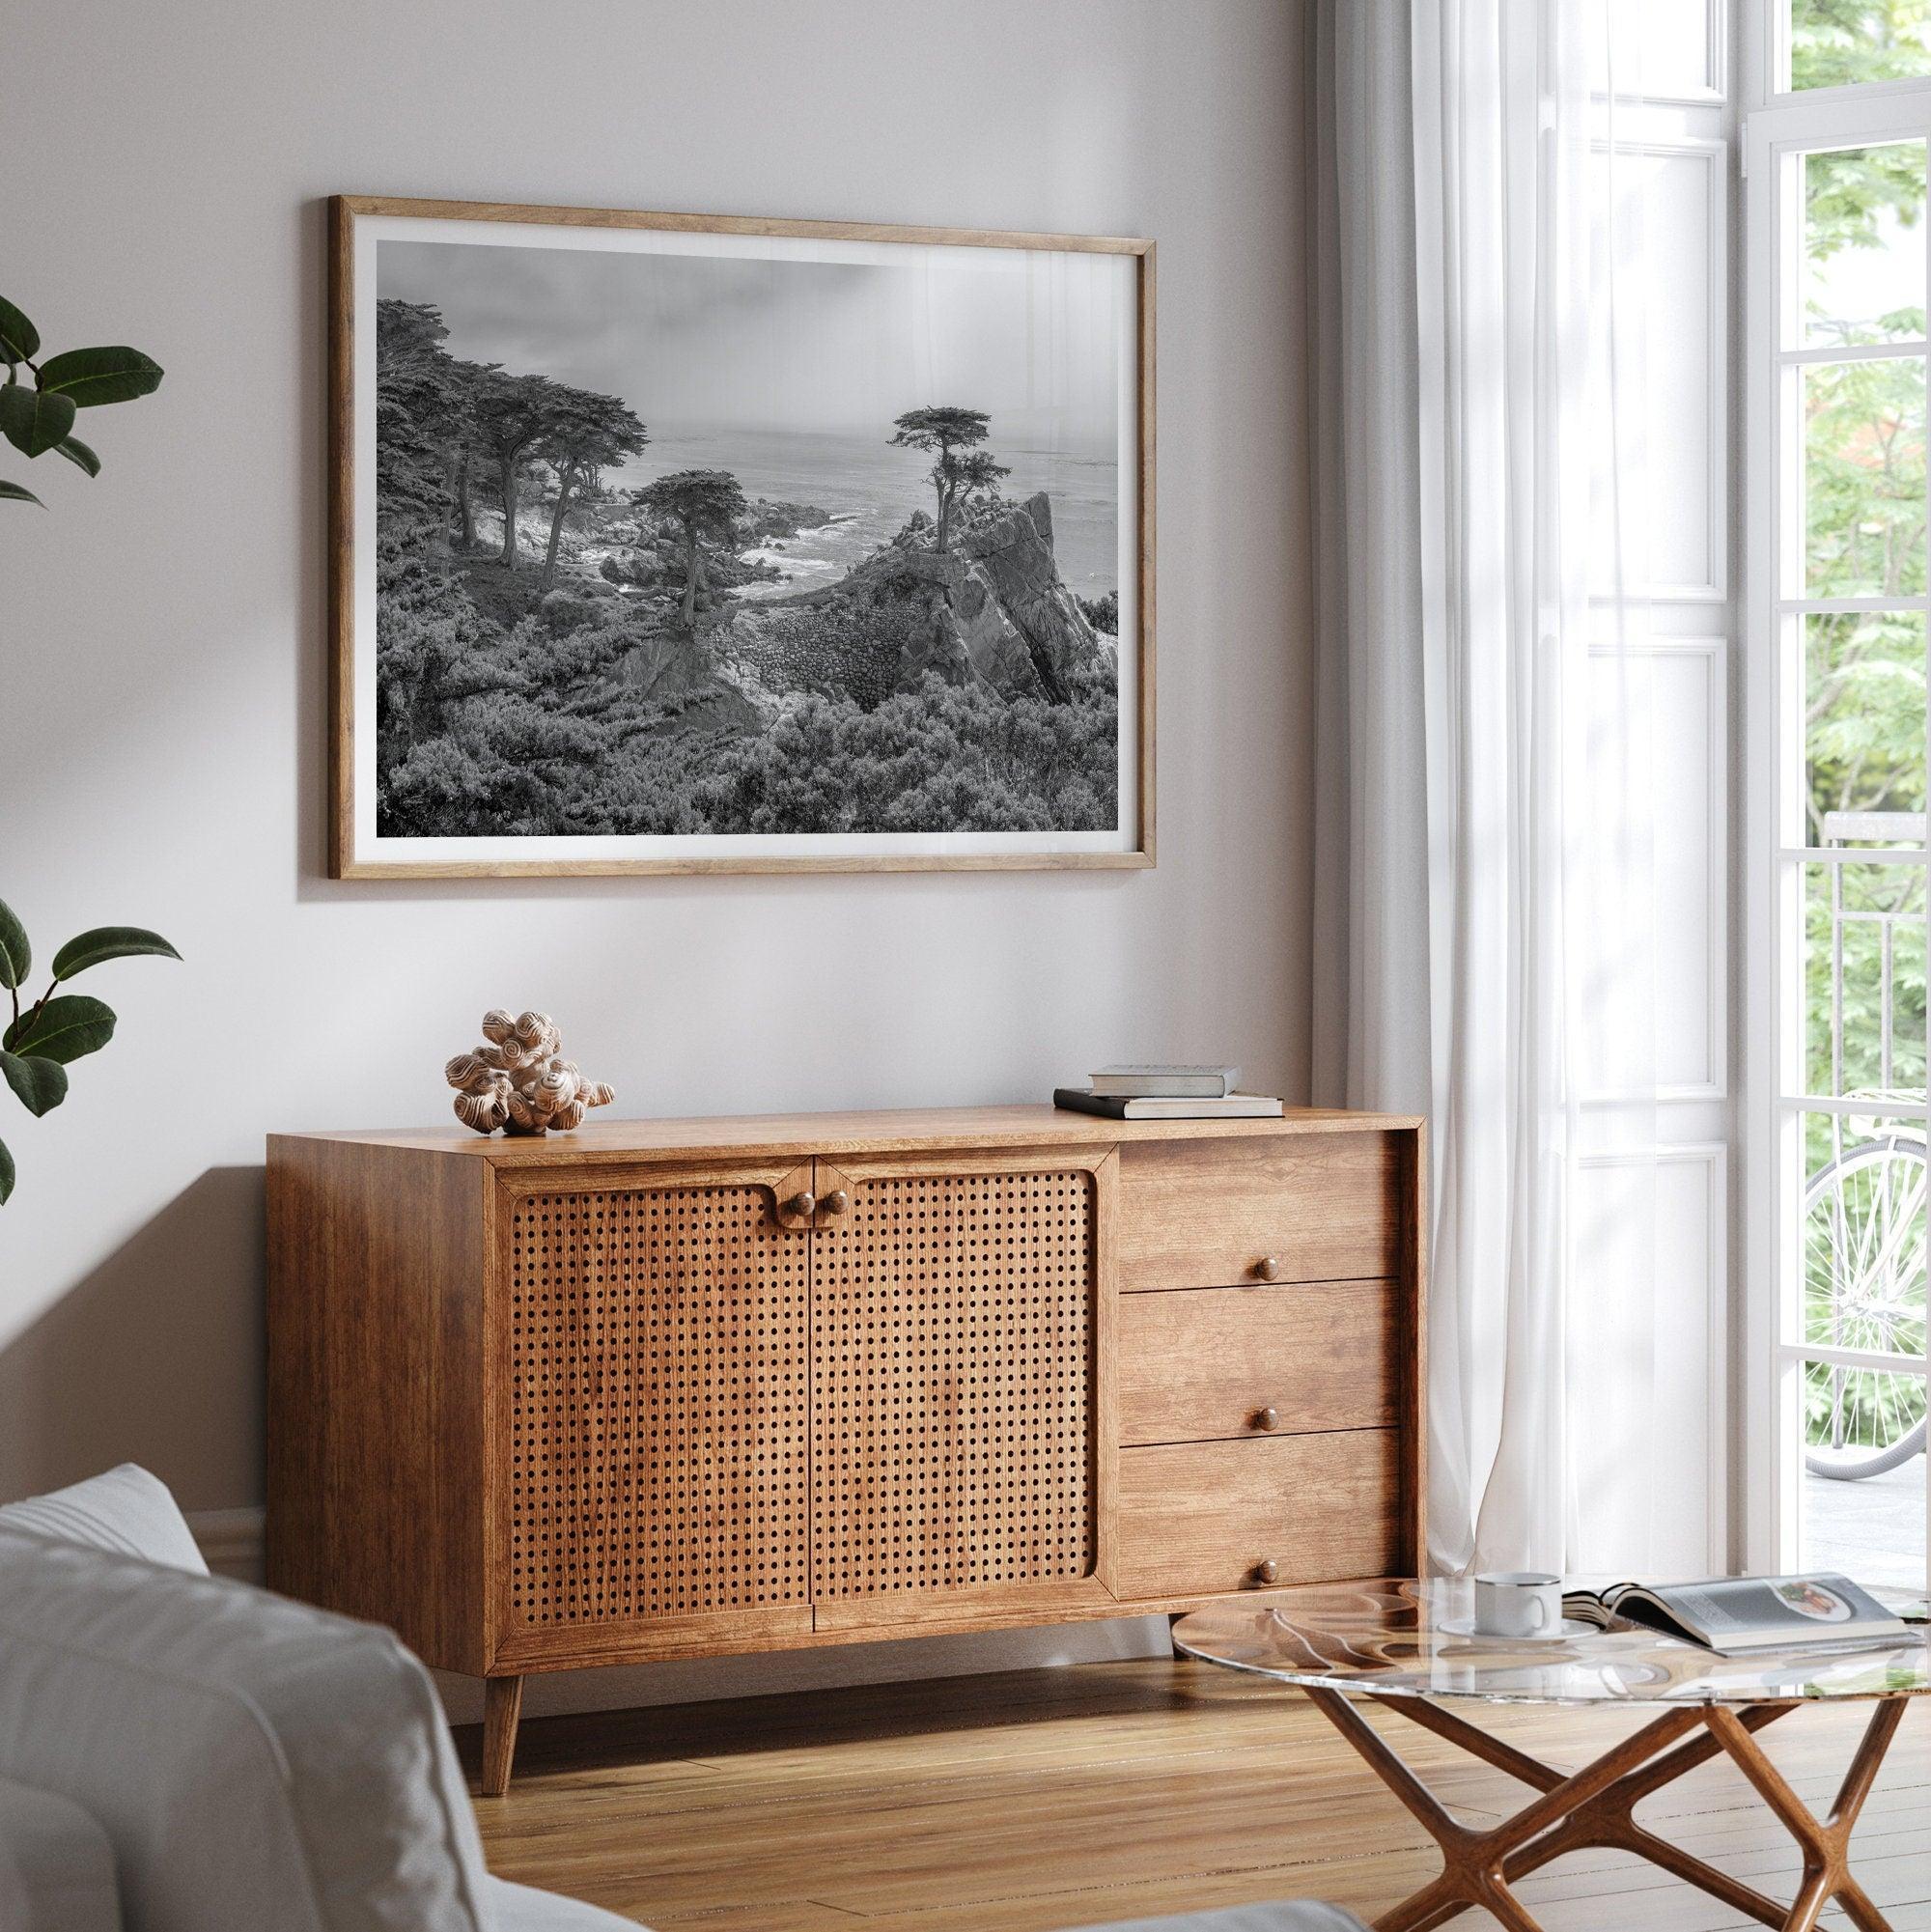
(1166,1093)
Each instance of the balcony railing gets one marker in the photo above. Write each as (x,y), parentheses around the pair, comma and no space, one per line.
(1865,1252)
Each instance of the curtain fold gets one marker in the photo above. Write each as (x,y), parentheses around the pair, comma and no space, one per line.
(1464,314)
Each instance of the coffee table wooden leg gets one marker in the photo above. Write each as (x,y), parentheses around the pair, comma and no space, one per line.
(1609,1822)
(1475,1864)
(1433,1905)
(1857,1907)
(1476,1742)
(1606,1820)
(1826,1843)
(1596,1805)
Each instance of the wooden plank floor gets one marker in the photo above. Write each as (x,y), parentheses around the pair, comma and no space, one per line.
(1048,1798)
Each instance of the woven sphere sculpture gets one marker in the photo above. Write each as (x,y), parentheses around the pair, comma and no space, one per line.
(518,1079)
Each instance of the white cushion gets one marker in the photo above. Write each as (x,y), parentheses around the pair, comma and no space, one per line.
(125,1509)
(258,1766)
(519,1907)
(56,1865)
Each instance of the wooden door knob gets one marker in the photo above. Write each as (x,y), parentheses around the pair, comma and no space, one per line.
(1265,1570)
(803,1205)
(1268,1418)
(836,1201)
(1267,1268)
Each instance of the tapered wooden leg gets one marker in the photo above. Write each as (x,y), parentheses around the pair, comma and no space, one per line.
(502,1706)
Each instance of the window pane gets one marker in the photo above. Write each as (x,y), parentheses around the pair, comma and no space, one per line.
(1867,1523)
(1863,1260)
(1863,478)
(1863,979)
(1864,244)
(1840,42)
(1863,729)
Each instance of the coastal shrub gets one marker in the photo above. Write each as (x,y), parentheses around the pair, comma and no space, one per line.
(1103,613)
(941,758)
(646,783)
(430,642)
(494,771)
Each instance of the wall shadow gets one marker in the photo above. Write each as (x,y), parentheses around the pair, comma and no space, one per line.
(156,1357)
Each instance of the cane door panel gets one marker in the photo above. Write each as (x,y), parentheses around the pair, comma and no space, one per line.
(657,1408)
(957,1385)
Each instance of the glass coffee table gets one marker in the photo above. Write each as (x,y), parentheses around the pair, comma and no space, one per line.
(1407,1646)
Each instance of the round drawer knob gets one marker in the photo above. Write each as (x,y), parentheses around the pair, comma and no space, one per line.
(803,1205)
(1267,1268)
(1266,1570)
(836,1201)
(1268,1418)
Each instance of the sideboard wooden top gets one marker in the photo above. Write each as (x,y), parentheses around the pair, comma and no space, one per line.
(888,1131)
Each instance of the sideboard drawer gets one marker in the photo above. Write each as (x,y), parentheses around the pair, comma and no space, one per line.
(1311,1206)
(1197,1519)
(1197,1363)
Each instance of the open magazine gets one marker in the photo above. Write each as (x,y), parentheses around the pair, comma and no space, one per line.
(1736,1616)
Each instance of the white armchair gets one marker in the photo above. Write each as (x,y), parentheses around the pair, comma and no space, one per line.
(180,1753)
(253,1764)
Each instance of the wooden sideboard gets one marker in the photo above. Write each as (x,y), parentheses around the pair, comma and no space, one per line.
(673,1389)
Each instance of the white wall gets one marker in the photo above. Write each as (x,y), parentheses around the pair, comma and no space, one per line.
(162,656)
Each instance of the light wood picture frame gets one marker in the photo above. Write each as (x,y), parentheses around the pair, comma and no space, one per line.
(674,542)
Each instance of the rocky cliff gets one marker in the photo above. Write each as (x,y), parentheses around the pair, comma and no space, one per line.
(991,612)
(999,609)
(1013,594)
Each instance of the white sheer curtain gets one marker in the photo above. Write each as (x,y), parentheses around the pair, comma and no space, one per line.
(1482,874)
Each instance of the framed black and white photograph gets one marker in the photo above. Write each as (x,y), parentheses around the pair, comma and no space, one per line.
(677,544)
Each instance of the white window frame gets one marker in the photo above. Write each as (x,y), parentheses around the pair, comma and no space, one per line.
(1777,124)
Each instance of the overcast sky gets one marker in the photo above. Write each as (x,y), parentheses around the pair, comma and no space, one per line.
(686,339)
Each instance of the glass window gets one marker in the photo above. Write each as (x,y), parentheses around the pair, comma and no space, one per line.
(1864,728)
(1840,546)
(1864,477)
(1864,245)
(1864,978)
(1847,42)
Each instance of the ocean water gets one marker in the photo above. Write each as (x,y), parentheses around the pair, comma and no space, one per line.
(867,487)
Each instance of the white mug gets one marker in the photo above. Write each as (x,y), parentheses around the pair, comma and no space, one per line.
(1518,1603)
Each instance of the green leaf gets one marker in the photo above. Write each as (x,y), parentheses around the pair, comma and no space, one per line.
(6,1174)
(91,376)
(34,419)
(17,955)
(77,452)
(63,1030)
(19,341)
(12,493)
(108,942)
(41,1083)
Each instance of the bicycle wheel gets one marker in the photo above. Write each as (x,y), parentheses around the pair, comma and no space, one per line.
(1864,1288)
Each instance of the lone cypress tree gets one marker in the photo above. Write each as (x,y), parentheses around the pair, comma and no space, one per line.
(959,467)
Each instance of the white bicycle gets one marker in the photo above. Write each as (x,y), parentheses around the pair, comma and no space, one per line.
(1864,1288)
